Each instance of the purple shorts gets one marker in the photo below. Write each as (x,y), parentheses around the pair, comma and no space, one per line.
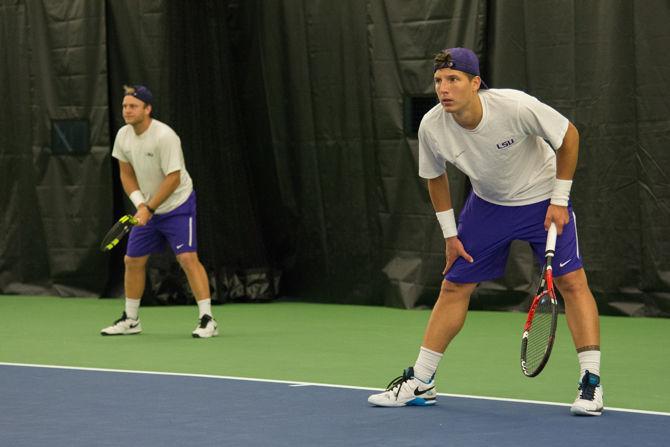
(487,230)
(176,228)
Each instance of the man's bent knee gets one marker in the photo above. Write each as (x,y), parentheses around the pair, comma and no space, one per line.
(573,282)
(135,262)
(456,289)
(188,260)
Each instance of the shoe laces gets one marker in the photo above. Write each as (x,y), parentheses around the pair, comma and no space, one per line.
(588,386)
(204,321)
(396,384)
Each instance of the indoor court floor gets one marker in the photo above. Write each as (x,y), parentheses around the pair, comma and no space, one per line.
(287,373)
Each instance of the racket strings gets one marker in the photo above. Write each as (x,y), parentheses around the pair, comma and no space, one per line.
(539,333)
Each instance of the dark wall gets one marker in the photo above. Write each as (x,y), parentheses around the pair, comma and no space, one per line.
(603,65)
(53,206)
(291,116)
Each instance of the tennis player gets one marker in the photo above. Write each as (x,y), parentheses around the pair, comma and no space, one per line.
(154,176)
(502,140)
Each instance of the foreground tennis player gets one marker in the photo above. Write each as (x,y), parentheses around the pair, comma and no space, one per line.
(154,176)
(498,138)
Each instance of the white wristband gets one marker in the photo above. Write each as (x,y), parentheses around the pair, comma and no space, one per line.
(447,223)
(136,197)
(561,192)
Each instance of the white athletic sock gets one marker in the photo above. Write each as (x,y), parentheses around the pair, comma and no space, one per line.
(426,364)
(132,308)
(589,360)
(205,307)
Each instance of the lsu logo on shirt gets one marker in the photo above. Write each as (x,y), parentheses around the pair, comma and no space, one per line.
(505,144)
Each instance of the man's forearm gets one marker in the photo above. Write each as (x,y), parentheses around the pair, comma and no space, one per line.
(165,189)
(567,154)
(129,183)
(438,189)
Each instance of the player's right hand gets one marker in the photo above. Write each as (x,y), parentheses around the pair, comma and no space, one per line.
(142,215)
(454,250)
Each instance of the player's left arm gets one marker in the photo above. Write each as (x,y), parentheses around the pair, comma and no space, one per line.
(566,164)
(165,190)
(171,163)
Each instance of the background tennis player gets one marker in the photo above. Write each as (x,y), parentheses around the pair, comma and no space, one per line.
(498,138)
(154,176)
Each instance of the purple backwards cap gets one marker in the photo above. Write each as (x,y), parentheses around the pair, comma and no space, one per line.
(461,59)
(142,93)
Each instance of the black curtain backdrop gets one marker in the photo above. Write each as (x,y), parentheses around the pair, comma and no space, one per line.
(292,120)
(308,91)
(53,68)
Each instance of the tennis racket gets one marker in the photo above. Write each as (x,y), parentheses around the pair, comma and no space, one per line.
(540,329)
(117,232)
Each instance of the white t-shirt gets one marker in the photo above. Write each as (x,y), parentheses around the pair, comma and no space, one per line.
(506,155)
(153,155)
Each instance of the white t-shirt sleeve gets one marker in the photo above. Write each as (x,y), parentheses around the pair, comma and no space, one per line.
(431,162)
(117,151)
(540,119)
(172,158)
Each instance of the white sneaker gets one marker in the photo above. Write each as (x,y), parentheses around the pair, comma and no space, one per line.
(206,328)
(123,326)
(406,390)
(589,400)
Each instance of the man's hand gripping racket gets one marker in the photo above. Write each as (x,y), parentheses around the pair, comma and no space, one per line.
(540,329)
(118,232)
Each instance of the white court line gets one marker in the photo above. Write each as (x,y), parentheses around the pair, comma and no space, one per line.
(301,384)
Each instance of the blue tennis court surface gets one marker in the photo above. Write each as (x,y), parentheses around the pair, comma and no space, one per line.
(73,407)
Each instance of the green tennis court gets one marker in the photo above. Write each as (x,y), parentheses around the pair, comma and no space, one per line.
(335,344)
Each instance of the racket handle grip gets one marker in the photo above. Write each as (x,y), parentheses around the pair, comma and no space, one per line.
(551,239)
